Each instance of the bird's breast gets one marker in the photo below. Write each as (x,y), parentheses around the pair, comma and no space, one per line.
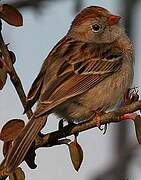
(111,90)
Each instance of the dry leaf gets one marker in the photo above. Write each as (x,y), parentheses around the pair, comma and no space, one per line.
(137,123)
(17,175)
(11,15)
(76,154)
(6,147)
(11,129)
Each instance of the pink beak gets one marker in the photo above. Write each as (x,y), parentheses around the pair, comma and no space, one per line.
(112,19)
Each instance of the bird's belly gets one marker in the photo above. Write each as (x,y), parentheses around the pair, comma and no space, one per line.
(106,95)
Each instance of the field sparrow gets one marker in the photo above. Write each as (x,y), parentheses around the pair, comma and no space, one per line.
(88,71)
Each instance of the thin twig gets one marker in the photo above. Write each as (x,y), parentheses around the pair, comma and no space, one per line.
(13,75)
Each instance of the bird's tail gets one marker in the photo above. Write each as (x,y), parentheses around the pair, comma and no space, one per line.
(22,144)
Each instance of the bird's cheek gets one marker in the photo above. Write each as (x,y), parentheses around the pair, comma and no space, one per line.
(91,36)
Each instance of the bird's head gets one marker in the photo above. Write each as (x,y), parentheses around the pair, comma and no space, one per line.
(96,24)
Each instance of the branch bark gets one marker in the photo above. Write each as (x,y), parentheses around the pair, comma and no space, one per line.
(116,116)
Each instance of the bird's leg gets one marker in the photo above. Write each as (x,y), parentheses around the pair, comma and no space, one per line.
(61,124)
(70,125)
(98,120)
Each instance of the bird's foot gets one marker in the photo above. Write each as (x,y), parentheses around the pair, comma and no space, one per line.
(65,127)
(61,124)
(98,122)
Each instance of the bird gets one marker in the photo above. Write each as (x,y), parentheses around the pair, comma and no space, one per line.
(89,70)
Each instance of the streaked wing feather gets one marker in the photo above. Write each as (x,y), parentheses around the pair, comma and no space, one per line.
(79,83)
(75,86)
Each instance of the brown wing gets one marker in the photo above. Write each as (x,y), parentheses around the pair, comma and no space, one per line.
(35,90)
(85,76)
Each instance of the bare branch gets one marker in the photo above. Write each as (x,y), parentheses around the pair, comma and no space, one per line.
(110,117)
(13,75)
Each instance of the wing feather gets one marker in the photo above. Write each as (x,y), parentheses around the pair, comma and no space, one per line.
(93,73)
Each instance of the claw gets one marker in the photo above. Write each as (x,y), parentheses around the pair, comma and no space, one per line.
(105,129)
(98,122)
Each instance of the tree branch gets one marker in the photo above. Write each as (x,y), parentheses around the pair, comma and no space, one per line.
(13,75)
(110,117)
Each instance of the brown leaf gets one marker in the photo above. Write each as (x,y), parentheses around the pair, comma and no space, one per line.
(11,130)
(11,15)
(17,175)
(6,147)
(137,123)
(76,154)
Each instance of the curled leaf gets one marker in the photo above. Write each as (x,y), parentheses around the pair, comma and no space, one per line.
(11,130)
(11,15)
(17,175)
(137,123)
(76,154)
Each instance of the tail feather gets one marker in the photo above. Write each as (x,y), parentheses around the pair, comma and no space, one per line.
(23,142)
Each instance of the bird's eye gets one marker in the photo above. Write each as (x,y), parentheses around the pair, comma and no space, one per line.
(96,28)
